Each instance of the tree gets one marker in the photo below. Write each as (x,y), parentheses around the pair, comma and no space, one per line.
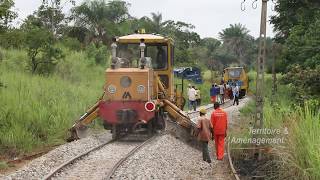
(211,62)
(100,18)
(236,39)
(297,24)
(153,24)
(43,56)
(297,29)
(6,14)
(292,13)
(50,15)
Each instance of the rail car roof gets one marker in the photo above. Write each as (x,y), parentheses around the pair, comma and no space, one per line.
(148,38)
(233,68)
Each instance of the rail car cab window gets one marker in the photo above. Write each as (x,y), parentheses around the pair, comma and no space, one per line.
(235,73)
(156,53)
(129,55)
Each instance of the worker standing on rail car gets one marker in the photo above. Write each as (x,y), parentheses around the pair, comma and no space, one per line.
(220,125)
(205,133)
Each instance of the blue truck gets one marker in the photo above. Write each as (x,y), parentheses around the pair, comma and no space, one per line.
(190,73)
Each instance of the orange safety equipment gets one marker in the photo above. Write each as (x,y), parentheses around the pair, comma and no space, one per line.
(219,144)
(220,124)
(219,121)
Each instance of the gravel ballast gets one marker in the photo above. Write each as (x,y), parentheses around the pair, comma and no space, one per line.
(165,158)
(97,164)
(41,166)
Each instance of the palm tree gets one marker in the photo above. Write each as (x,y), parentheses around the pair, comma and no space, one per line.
(154,23)
(100,18)
(236,39)
(157,22)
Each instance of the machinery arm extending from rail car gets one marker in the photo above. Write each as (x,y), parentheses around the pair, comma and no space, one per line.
(86,119)
(178,115)
(175,112)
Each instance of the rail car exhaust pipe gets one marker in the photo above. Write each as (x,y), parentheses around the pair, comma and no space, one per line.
(114,58)
(143,60)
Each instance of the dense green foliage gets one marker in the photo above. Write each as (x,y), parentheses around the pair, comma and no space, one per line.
(297,25)
(52,70)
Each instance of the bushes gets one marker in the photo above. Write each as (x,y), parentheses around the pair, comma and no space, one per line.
(71,43)
(305,81)
(12,39)
(98,53)
(43,56)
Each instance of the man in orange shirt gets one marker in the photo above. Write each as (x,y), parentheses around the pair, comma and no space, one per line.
(220,125)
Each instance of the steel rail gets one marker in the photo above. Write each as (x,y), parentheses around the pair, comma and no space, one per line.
(233,170)
(59,168)
(132,152)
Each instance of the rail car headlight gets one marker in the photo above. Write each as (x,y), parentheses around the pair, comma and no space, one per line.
(149,106)
(141,89)
(125,81)
(112,89)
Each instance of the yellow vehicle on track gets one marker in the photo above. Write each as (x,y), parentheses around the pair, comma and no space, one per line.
(139,88)
(239,76)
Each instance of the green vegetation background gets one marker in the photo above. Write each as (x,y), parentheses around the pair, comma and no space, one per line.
(52,70)
(37,110)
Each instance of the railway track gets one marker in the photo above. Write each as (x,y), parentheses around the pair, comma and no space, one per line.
(102,161)
(112,153)
(129,168)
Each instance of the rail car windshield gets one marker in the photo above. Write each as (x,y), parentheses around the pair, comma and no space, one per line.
(156,54)
(234,73)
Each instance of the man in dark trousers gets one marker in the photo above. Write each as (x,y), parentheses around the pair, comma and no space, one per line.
(205,133)
(220,125)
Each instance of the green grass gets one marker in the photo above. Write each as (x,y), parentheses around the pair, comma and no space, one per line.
(3,165)
(300,155)
(36,110)
(304,155)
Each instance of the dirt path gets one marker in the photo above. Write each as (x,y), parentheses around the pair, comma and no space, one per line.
(221,169)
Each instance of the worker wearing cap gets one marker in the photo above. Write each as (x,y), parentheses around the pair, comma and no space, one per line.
(205,133)
(220,125)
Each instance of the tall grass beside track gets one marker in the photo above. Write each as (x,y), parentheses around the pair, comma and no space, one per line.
(36,111)
(299,156)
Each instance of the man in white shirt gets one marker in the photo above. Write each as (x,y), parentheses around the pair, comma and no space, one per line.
(192,98)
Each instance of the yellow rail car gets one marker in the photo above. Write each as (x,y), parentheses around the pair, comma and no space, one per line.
(239,76)
(138,89)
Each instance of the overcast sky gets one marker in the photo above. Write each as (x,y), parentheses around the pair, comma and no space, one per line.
(208,16)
